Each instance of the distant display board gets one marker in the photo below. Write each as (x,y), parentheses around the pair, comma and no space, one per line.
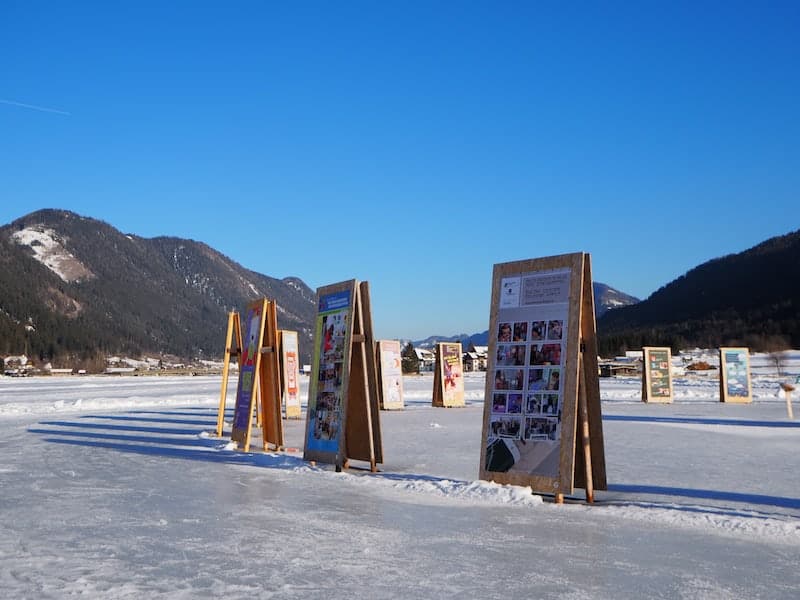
(290,374)
(390,374)
(734,375)
(448,380)
(657,375)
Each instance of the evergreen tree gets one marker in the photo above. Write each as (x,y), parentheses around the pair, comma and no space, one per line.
(409,360)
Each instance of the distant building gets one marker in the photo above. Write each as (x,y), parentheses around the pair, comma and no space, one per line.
(426,358)
(15,366)
(612,368)
(476,358)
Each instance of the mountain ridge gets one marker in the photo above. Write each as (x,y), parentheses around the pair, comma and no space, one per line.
(74,286)
(750,298)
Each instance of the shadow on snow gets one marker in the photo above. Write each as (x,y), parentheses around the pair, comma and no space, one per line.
(703,421)
(189,444)
(738,497)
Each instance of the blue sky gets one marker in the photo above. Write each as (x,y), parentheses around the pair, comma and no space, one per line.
(411,144)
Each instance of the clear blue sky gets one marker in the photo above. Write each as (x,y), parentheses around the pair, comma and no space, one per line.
(411,144)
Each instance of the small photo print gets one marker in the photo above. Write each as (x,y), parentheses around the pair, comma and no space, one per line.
(546,354)
(514,405)
(327,401)
(506,427)
(499,403)
(549,404)
(510,355)
(509,379)
(537,358)
(541,404)
(551,354)
(504,332)
(533,404)
(555,330)
(326,425)
(538,329)
(520,331)
(537,428)
(509,297)
(536,380)
(554,380)
(544,379)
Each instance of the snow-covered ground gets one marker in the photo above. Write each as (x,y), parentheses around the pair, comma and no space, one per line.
(114,487)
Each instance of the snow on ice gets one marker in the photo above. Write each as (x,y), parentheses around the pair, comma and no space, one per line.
(118,488)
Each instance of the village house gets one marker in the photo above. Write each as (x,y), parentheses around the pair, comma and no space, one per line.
(426,358)
(476,358)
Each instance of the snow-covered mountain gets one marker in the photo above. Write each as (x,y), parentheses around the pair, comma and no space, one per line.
(75,286)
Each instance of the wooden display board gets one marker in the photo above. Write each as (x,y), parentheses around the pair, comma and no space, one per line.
(542,422)
(233,347)
(448,376)
(657,375)
(390,374)
(258,377)
(290,373)
(734,375)
(343,418)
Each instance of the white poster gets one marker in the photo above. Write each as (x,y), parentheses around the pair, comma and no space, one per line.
(527,394)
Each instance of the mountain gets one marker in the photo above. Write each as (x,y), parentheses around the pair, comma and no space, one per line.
(75,287)
(750,299)
(606,298)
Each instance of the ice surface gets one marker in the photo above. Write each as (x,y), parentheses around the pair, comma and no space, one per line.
(117,487)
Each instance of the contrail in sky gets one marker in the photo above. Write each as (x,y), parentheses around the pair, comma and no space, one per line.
(34,107)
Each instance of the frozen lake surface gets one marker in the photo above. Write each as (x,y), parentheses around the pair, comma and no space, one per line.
(114,487)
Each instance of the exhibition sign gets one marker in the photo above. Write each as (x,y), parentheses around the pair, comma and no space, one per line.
(290,373)
(734,375)
(657,375)
(249,367)
(390,374)
(448,376)
(542,378)
(342,419)
(258,377)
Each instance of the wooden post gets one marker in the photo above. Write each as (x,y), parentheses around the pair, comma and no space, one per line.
(269,388)
(583,419)
(233,346)
(787,392)
(362,431)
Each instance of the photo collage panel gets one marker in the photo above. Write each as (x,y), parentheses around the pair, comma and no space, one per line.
(328,407)
(526,393)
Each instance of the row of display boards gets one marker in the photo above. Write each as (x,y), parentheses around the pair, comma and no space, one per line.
(542,423)
(734,375)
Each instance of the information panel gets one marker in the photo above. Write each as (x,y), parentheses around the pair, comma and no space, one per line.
(253,330)
(448,381)
(657,375)
(327,387)
(290,374)
(527,397)
(541,310)
(734,375)
(391,374)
